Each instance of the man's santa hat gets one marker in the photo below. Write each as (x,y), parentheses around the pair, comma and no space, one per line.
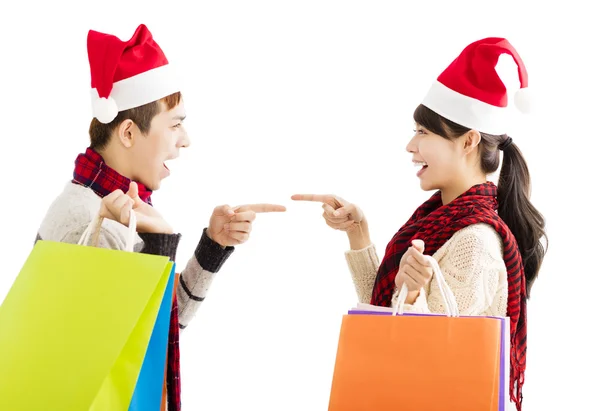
(470,92)
(127,74)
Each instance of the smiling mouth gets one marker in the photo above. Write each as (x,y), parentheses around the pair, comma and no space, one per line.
(423,166)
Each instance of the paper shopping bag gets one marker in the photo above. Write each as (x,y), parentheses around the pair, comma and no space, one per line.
(417,362)
(75,327)
(421,362)
(147,395)
(163,404)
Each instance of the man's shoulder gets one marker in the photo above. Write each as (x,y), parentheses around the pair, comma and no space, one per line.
(70,214)
(74,207)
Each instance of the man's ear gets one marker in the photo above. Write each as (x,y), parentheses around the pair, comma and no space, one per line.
(471,140)
(125,132)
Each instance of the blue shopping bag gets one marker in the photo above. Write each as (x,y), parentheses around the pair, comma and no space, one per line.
(147,395)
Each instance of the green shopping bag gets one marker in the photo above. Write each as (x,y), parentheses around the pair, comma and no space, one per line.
(75,326)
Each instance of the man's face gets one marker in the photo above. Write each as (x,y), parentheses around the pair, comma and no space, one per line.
(162,143)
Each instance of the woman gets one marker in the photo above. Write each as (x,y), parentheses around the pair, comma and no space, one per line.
(485,238)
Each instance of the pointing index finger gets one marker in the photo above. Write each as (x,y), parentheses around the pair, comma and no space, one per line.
(312,197)
(260,208)
(321,198)
(330,199)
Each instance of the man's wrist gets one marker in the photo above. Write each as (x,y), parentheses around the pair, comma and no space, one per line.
(212,237)
(210,254)
(159,229)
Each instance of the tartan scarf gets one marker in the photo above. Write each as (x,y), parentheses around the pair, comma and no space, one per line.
(91,171)
(435,223)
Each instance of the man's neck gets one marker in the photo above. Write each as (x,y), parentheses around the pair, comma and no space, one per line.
(113,157)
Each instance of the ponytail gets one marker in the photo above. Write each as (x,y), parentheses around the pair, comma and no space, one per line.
(525,222)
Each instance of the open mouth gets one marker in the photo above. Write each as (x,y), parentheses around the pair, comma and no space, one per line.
(422,166)
(168,170)
(168,160)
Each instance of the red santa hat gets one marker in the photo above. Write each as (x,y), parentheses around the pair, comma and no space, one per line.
(470,92)
(127,74)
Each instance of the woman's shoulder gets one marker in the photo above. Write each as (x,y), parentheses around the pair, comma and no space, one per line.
(480,238)
(478,232)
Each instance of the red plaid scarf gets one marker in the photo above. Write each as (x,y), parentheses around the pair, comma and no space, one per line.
(91,171)
(435,223)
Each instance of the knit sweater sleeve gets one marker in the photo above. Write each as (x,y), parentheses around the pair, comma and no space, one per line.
(471,262)
(363,265)
(197,276)
(473,267)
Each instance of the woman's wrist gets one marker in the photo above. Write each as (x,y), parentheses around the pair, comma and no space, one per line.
(359,236)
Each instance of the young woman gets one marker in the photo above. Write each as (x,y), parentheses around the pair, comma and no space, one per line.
(485,238)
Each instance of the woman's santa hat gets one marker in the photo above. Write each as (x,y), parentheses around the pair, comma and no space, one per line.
(127,74)
(470,92)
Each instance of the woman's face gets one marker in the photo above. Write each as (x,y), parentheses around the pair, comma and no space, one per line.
(437,158)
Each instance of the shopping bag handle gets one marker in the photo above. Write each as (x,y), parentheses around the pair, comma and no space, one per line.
(96,224)
(447,295)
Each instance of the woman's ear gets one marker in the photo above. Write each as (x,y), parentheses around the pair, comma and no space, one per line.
(471,140)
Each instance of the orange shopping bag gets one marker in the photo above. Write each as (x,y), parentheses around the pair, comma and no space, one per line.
(420,362)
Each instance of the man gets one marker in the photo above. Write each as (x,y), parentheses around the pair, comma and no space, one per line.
(138,127)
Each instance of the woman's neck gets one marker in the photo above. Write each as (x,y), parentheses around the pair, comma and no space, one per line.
(450,193)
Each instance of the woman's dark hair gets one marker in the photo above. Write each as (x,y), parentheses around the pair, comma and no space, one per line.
(525,222)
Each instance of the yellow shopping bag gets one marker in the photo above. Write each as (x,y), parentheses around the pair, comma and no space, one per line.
(75,326)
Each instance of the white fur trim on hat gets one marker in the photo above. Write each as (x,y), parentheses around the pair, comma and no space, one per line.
(466,111)
(136,91)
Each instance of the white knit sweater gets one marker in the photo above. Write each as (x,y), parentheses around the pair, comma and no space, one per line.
(73,210)
(472,264)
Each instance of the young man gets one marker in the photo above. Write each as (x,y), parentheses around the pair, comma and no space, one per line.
(138,126)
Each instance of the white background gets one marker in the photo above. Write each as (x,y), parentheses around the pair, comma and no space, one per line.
(312,96)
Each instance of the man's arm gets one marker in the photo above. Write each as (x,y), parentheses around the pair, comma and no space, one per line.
(196,278)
